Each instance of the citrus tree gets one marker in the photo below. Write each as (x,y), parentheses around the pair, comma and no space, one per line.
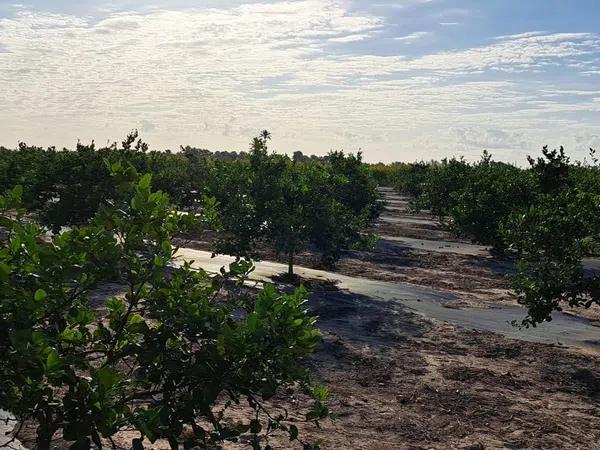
(292,205)
(490,194)
(554,234)
(551,239)
(158,359)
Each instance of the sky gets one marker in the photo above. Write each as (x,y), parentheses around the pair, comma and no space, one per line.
(400,80)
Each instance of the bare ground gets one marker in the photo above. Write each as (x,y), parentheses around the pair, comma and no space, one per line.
(403,382)
(399,381)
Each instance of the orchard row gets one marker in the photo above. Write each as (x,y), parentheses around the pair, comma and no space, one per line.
(545,215)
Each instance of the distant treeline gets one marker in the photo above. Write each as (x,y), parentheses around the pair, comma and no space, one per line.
(225,155)
(547,215)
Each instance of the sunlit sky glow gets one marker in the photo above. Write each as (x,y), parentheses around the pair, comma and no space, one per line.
(401,80)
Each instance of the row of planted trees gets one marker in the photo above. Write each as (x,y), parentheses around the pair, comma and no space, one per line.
(178,348)
(260,198)
(544,215)
(291,205)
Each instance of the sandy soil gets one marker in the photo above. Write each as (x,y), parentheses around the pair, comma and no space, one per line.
(399,381)
(403,382)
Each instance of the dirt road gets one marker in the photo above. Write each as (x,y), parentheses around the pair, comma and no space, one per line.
(431,304)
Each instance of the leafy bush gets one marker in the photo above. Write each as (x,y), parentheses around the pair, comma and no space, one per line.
(410,179)
(490,193)
(160,358)
(292,205)
(384,174)
(553,235)
(443,181)
(546,215)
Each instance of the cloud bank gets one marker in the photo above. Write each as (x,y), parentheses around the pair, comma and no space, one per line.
(316,73)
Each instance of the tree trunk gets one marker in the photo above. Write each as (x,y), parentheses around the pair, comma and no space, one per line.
(45,432)
(291,264)
(43,440)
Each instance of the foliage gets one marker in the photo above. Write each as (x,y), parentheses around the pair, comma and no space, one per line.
(489,194)
(230,183)
(551,171)
(442,183)
(384,174)
(344,202)
(162,356)
(293,204)
(553,236)
(545,215)
(410,178)
(261,198)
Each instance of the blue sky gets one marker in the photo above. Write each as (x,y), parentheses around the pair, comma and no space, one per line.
(401,80)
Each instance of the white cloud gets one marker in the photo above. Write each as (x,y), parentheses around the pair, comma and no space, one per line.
(520,35)
(412,37)
(146,126)
(402,4)
(523,52)
(214,77)
(350,38)
(490,138)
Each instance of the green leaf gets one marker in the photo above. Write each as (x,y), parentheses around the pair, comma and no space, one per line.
(17,192)
(145,182)
(137,324)
(167,248)
(71,335)
(115,305)
(107,377)
(135,318)
(252,322)
(159,261)
(53,361)
(320,393)
(40,295)
(4,271)
(15,244)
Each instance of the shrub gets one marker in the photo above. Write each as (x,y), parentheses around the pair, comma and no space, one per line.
(552,237)
(161,357)
(491,192)
(293,205)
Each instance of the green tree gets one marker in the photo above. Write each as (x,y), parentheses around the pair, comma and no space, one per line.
(288,212)
(491,192)
(551,239)
(163,355)
(269,199)
(443,182)
(554,234)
